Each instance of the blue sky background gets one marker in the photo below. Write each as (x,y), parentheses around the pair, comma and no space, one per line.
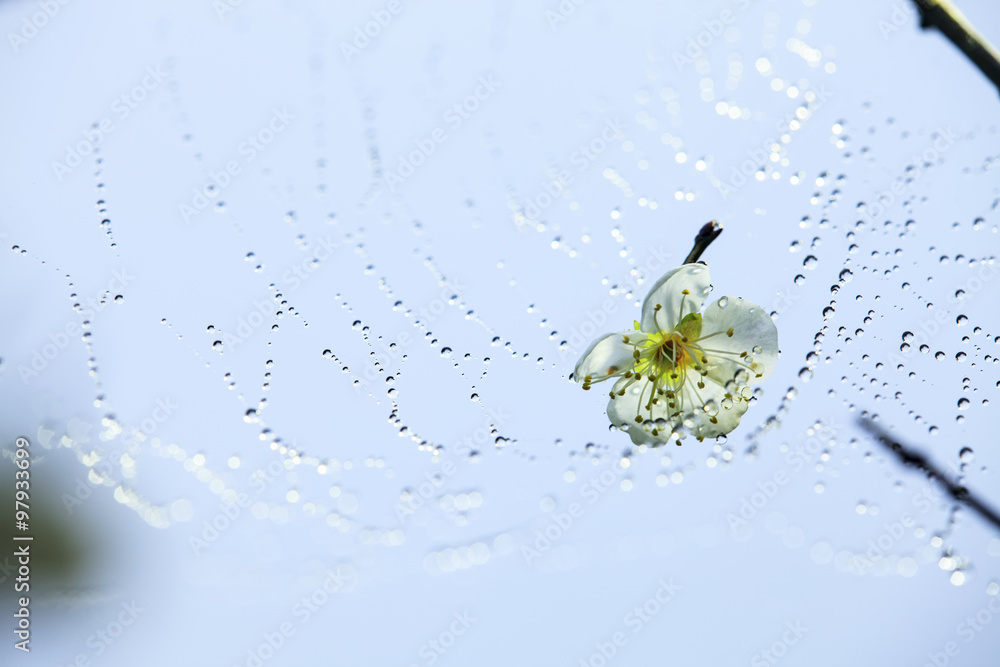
(377,333)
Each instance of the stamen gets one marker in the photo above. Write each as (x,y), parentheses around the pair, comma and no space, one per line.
(717,333)
(656,311)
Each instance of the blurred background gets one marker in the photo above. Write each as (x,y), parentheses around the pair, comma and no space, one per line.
(293,291)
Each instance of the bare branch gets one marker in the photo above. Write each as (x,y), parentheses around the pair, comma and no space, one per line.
(944,16)
(919,461)
(708,233)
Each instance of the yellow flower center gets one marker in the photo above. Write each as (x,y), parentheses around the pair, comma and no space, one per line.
(668,355)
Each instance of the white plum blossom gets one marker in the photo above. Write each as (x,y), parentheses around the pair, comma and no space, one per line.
(683,372)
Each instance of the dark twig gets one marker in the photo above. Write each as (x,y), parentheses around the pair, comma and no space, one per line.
(944,16)
(708,233)
(919,461)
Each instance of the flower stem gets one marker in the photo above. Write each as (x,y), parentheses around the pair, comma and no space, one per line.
(708,233)
(944,16)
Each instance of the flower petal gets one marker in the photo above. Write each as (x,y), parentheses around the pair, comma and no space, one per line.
(753,333)
(717,415)
(705,411)
(622,411)
(668,293)
(606,355)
